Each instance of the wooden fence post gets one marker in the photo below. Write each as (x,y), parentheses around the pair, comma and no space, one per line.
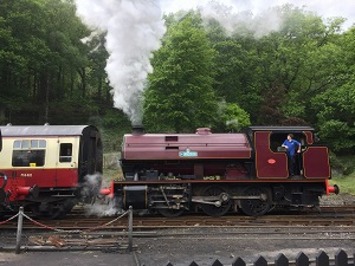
(322,259)
(239,262)
(261,261)
(281,260)
(302,259)
(341,258)
(217,263)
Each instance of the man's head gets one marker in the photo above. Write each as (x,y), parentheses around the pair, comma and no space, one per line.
(290,136)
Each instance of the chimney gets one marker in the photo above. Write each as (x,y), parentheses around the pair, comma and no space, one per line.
(203,131)
(137,130)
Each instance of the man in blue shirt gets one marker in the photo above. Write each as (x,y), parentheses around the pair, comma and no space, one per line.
(292,147)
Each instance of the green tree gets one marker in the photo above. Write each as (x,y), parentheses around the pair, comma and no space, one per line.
(336,117)
(334,105)
(180,96)
(43,62)
(231,118)
(292,66)
(236,78)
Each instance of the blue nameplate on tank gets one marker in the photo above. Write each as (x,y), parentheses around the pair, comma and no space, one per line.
(188,153)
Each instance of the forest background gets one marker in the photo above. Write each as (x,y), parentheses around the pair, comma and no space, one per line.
(204,76)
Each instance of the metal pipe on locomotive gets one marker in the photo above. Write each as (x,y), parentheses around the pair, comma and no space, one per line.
(219,173)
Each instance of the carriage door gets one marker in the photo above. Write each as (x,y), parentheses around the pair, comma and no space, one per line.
(67,170)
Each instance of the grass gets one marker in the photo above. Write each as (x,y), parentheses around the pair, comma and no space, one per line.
(344,173)
(345,183)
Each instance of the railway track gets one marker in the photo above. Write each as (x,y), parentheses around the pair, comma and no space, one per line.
(327,216)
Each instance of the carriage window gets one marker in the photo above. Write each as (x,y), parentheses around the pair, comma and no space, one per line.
(28,153)
(65,152)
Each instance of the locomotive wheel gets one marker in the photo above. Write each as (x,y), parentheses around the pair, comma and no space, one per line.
(256,207)
(212,210)
(171,212)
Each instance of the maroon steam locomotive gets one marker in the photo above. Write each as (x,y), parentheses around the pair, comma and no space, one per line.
(219,173)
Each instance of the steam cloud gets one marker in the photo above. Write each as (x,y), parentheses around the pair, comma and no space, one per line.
(103,208)
(99,207)
(259,24)
(133,31)
(91,186)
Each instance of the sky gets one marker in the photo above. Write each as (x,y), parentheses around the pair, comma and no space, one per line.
(323,8)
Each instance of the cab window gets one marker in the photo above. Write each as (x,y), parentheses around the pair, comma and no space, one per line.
(277,138)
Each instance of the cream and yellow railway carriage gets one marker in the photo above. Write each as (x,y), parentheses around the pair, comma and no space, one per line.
(44,167)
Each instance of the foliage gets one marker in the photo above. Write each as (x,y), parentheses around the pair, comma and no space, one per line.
(341,165)
(336,116)
(43,62)
(180,96)
(236,77)
(231,118)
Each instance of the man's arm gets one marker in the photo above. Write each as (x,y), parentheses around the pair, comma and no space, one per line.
(284,145)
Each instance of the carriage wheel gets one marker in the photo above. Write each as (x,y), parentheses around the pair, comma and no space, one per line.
(256,207)
(212,210)
(53,211)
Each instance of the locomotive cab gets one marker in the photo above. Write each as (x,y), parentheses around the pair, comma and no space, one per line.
(271,160)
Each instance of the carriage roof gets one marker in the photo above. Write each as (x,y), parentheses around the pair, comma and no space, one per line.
(43,130)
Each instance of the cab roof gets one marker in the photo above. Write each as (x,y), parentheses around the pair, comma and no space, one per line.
(281,128)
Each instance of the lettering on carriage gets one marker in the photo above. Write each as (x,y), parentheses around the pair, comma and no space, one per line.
(26,174)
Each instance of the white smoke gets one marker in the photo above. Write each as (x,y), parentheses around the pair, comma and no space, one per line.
(133,31)
(260,24)
(259,16)
(97,204)
(103,208)
(91,187)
